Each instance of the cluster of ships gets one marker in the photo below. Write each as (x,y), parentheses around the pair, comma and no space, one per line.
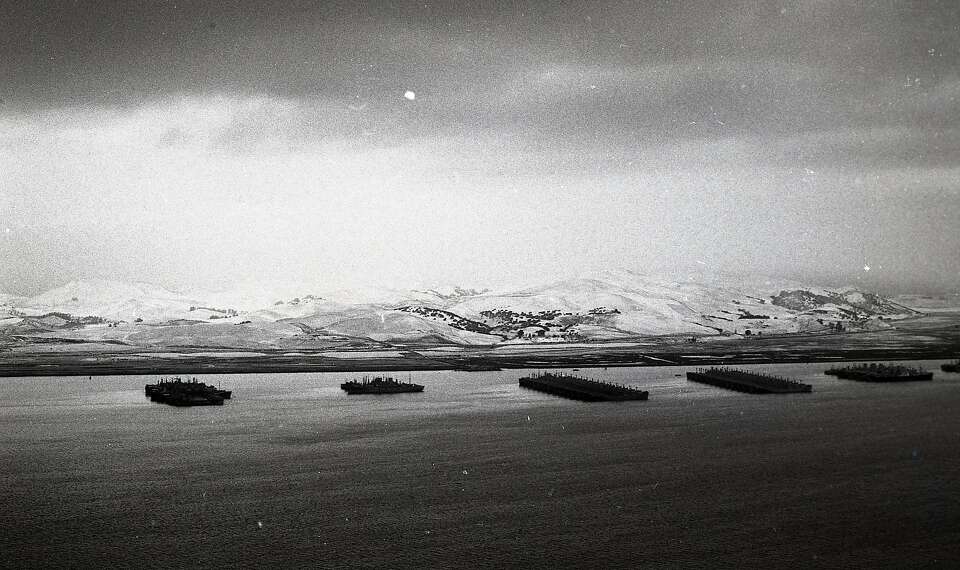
(578,388)
(379,385)
(882,373)
(749,382)
(180,392)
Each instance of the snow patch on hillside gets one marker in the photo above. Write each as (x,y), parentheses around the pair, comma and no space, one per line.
(604,305)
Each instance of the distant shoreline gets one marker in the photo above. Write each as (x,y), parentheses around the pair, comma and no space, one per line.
(935,337)
(470,361)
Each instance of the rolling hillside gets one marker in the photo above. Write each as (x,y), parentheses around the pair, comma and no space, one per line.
(606,305)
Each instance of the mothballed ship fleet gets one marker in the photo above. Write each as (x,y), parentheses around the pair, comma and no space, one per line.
(379,385)
(579,388)
(749,382)
(180,392)
(880,373)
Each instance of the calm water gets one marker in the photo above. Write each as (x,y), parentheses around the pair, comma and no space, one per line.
(478,472)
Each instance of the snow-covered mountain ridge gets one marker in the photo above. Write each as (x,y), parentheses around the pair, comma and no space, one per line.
(606,305)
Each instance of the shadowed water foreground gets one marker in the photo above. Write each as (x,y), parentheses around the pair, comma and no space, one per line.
(477,472)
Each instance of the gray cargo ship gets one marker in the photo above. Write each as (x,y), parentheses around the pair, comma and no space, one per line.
(379,385)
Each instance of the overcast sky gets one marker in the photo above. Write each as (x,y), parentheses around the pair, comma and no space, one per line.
(196,144)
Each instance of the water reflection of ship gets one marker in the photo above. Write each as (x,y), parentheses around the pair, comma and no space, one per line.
(380,385)
(179,392)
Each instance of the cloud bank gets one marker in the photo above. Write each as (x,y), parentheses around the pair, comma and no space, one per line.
(200,145)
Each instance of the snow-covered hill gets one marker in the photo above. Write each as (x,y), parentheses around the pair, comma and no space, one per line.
(399,326)
(598,306)
(112,300)
(613,304)
(6,299)
(8,315)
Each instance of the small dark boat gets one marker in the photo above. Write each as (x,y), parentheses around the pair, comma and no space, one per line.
(951,366)
(379,385)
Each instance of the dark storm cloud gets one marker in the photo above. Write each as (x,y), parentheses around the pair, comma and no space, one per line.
(611,72)
(574,69)
(107,52)
(602,73)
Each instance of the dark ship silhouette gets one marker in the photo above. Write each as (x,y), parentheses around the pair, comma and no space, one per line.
(379,385)
(951,366)
(179,392)
(749,382)
(579,388)
(874,372)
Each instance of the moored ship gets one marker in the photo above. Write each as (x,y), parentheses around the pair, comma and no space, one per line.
(874,372)
(951,366)
(179,392)
(749,382)
(579,388)
(379,385)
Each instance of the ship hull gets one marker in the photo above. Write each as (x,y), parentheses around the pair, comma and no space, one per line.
(184,394)
(353,391)
(379,386)
(752,384)
(582,389)
(867,376)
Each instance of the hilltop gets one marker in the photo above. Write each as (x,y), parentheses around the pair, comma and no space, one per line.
(601,306)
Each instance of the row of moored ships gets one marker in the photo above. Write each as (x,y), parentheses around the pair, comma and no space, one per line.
(179,392)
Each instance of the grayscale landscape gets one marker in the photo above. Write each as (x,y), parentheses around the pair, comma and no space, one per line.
(501,284)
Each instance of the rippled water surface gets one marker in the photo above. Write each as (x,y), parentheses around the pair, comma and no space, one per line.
(478,472)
